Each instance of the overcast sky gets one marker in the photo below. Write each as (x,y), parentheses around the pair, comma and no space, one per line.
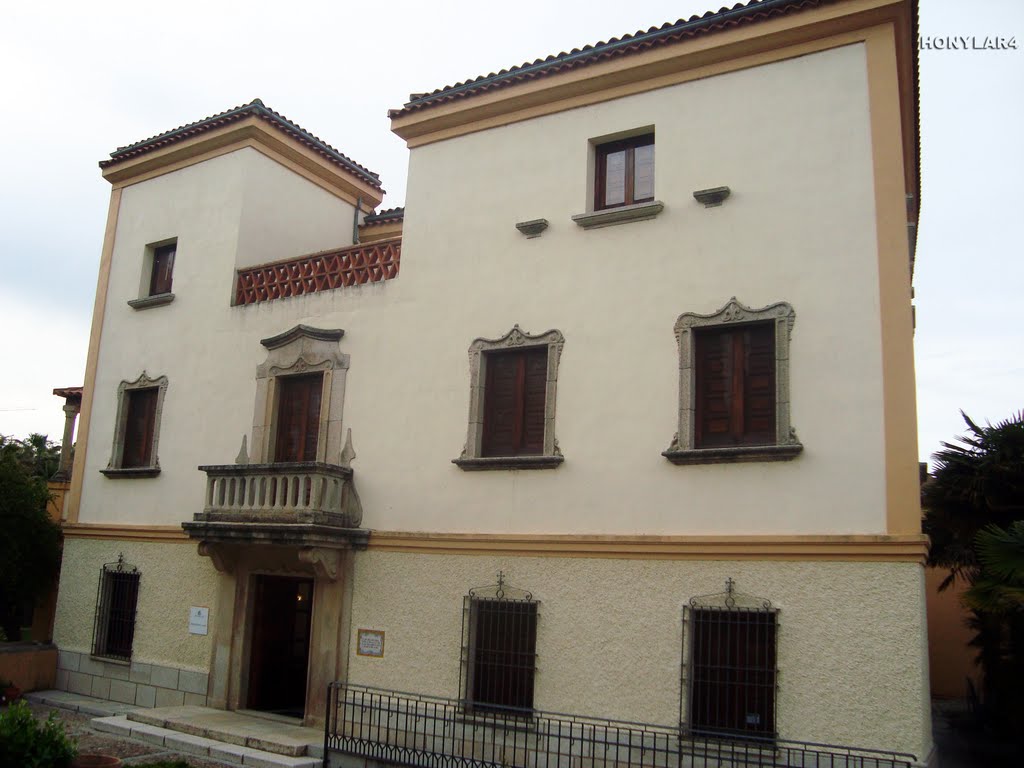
(80,79)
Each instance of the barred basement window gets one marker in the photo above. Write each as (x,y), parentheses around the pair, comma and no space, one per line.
(731,665)
(116,600)
(499,649)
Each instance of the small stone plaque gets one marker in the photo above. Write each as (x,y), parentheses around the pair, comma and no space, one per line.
(371,643)
(198,620)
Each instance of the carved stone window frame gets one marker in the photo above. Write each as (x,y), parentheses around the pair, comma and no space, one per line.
(114,468)
(301,350)
(471,458)
(787,446)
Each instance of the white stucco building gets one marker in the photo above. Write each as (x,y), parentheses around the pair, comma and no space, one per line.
(631,433)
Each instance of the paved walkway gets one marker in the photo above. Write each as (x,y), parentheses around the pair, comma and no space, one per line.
(208,738)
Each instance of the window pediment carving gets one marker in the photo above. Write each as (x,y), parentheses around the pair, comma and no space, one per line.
(301,350)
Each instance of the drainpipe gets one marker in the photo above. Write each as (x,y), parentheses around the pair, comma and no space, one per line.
(355,220)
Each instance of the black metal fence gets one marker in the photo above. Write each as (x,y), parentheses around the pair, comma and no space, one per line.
(429,732)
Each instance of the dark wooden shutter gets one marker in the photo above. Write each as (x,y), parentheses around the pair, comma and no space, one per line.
(714,379)
(298,417)
(514,402)
(735,386)
(163,268)
(758,426)
(138,429)
(535,386)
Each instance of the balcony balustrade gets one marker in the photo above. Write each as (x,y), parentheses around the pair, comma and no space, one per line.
(309,492)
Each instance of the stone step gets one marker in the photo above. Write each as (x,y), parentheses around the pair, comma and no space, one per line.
(178,741)
(286,738)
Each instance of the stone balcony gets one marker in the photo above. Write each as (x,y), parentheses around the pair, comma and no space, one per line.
(285,504)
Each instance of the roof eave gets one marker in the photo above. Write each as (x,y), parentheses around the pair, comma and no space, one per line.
(616,74)
(254,132)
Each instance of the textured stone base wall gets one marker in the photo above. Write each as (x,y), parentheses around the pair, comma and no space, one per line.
(144,685)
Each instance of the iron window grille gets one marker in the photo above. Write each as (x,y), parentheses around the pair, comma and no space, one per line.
(499,649)
(116,601)
(730,670)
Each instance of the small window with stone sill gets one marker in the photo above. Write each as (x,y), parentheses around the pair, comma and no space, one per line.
(623,181)
(157,276)
(625,172)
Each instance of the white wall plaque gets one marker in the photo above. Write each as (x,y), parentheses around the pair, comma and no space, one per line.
(371,643)
(198,620)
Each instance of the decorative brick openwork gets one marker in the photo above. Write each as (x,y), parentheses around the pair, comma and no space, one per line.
(355,265)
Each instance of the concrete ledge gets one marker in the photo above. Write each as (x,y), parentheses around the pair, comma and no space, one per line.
(735,455)
(149,734)
(621,215)
(151,301)
(507,462)
(117,725)
(194,745)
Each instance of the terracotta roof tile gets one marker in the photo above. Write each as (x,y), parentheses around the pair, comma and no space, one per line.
(255,108)
(741,13)
(386,216)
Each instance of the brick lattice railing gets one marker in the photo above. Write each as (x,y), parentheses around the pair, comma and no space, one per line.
(355,265)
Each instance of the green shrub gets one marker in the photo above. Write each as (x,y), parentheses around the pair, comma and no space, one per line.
(26,742)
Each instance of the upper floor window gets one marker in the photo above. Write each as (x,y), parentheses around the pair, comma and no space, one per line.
(300,397)
(163,269)
(625,172)
(512,402)
(734,394)
(140,421)
(298,417)
(157,276)
(137,428)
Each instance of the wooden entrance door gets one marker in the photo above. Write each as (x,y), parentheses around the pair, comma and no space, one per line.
(279,655)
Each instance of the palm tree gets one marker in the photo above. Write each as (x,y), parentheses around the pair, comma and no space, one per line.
(976,482)
(998,588)
(974,514)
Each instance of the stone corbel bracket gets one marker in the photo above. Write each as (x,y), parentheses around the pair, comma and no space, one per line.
(326,562)
(711,198)
(532,228)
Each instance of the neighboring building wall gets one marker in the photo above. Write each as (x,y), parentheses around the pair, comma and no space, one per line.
(950,658)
